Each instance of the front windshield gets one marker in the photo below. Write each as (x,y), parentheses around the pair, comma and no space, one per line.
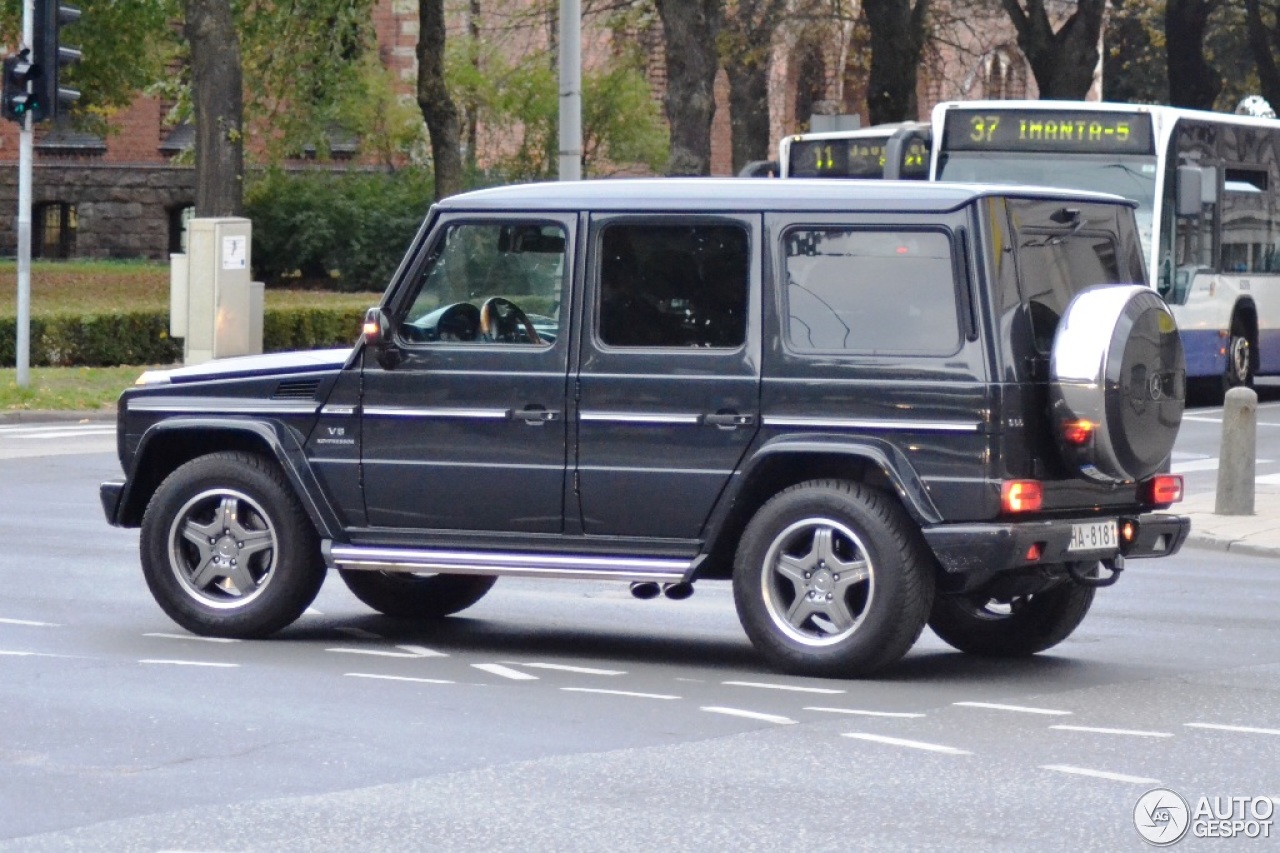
(1131,176)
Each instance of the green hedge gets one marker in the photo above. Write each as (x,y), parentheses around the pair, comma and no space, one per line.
(142,337)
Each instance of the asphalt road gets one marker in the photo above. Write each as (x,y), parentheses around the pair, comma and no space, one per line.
(569,716)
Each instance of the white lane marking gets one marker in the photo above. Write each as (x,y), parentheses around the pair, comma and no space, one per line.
(1208,464)
(790,687)
(750,715)
(910,744)
(618,693)
(1101,731)
(189,663)
(360,633)
(14,654)
(397,678)
(505,672)
(192,637)
(423,651)
(1250,730)
(377,653)
(560,667)
(900,714)
(1202,419)
(29,623)
(1099,774)
(1268,480)
(66,433)
(1021,709)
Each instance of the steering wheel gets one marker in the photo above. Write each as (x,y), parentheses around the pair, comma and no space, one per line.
(501,319)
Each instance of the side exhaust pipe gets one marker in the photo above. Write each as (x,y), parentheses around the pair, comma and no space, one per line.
(645,590)
(677,591)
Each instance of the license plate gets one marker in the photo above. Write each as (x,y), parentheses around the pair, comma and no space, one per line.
(1094,536)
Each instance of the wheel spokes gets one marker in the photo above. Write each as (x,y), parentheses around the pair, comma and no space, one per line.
(822,569)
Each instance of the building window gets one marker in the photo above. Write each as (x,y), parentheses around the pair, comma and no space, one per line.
(55,230)
(178,218)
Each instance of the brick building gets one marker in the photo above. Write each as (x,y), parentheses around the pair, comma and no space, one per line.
(125,195)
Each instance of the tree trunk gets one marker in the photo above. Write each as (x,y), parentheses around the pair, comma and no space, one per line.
(1064,62)
(690,28)
(1263,43)
(746,47)
(219,107)
(438,109)
(1192,81)
(897,39)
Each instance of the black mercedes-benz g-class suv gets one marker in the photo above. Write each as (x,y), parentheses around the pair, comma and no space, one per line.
(870,405)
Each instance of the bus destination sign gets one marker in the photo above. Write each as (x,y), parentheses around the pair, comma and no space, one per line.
(1048,130)
(851,158)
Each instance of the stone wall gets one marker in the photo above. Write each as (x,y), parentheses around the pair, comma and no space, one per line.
(122,211)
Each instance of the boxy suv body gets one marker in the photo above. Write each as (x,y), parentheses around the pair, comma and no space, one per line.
(869,405)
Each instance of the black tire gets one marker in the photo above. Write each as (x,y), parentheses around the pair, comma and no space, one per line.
(1239,372)
(410,596)
(227,550)
(801,614)
(1020,627)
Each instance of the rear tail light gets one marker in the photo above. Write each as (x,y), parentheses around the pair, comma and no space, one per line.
(1021,496)
(1077,433)
(1162,489)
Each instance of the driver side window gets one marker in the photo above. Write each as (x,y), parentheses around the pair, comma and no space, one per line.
(490,282)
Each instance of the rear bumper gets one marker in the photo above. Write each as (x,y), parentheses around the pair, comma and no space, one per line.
(975,553)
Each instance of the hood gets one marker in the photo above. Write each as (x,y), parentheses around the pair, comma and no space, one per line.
(274,364)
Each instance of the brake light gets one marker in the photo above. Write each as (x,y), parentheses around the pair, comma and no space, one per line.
(1077,433)
(1163,489)
(1021,496)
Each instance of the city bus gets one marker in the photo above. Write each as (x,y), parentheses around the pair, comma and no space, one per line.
(1207,187)
(861,153)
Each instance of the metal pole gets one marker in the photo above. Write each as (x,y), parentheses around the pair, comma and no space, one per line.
(26,154)
(570,90)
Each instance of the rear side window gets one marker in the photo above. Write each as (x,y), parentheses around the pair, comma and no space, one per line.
(870,291)
(674,285)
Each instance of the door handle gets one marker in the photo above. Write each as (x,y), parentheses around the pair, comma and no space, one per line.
(728,420)
(536,416)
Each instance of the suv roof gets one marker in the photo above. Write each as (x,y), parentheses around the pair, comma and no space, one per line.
(749,194)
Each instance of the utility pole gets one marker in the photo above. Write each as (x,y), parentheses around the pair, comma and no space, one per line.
(570,90)
(26,155)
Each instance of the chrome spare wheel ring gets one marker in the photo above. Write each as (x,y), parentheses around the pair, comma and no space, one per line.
(818,582)
(222,548)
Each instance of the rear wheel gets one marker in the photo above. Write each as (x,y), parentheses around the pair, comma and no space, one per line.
(1015,626)
(832,579)
(1239,371)
(410,596)
(227,550)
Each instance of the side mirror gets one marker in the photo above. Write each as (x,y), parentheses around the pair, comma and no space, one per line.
(379,337)
(1190,191)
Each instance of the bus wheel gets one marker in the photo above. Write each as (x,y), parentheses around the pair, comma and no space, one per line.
(1239,358)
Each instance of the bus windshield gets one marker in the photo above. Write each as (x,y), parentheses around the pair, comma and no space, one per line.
(1130,175)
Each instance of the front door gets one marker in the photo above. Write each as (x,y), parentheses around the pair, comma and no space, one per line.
(463,418)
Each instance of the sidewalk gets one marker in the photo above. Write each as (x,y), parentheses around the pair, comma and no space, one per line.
(1256,535)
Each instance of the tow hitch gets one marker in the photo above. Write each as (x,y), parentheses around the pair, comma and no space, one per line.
(1113,567)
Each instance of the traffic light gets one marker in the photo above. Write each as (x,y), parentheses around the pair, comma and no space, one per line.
(19,72)
(51,56)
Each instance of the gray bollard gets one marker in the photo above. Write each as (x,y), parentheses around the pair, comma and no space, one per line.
(1239,453)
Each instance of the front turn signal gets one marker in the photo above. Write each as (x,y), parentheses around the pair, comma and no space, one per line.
(1163,489)
(372,328)
(1021,496)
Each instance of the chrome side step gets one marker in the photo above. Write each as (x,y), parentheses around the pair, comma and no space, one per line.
(590,567)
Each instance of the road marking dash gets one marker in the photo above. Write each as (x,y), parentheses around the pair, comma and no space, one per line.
(377,653)
(792,687)
(505,672)
(1099,774)
(561,667)
(1021,709)
(898,714)
(910,744)
(423,652)
(750,715)
(189,663)
(15,654)
(192,637)
(29,623)
(618,693)
(1249,730)
(1103,731)
(397,678)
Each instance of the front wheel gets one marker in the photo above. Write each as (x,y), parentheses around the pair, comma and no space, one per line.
(1012,627)
(1239,373)
(832,579)
(410,596)
(227,550)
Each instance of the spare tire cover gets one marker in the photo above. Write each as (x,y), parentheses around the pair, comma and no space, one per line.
(1117,362)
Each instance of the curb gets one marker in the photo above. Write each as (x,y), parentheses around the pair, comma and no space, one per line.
(21,416)
(1209,542)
